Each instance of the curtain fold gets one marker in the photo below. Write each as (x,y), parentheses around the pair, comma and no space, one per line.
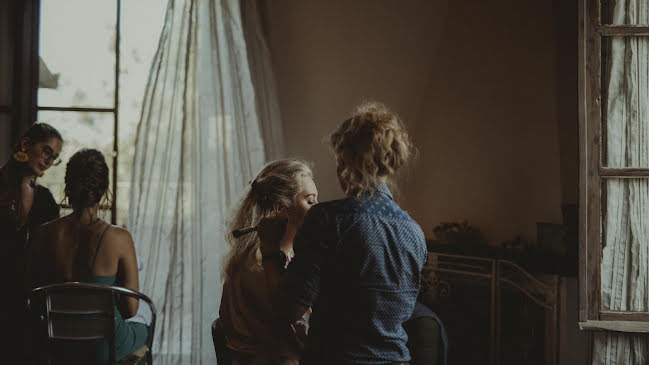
(625,255)
(263,78)
(202,136)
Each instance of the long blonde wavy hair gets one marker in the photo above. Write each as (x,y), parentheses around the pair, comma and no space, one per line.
(275,189)
(371,144)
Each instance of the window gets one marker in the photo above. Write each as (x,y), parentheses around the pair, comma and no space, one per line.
(94,63)
(614,165)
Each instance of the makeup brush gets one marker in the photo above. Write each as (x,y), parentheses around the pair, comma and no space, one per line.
(243,231)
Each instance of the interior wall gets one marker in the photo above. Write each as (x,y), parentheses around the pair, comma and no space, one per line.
(490,129)
(566,35)
(478,84)
(7,52)
(329,56)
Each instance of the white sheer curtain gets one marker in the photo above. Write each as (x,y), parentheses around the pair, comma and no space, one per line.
(263,79)
(625,256)
(199,141)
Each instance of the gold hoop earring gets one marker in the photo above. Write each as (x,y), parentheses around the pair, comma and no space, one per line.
(20,156)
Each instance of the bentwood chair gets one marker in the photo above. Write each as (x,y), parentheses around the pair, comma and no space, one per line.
(79,313)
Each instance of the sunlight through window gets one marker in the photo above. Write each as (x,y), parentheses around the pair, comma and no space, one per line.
(78,53)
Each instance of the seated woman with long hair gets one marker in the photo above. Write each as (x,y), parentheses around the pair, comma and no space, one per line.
(255,334)
(83,247)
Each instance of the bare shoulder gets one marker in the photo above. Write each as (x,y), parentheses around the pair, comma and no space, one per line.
(120,237)
(54,228)
(55,224)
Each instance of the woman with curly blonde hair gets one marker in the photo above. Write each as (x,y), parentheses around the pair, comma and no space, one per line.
(370,147)
(358,260)
(254,333)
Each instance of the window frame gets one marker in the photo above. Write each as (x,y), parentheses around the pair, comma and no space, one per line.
(592,174)
(24,65)
(114,110)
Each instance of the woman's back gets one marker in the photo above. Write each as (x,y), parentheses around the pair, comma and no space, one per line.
(65,250)
(79,252)
(96,252)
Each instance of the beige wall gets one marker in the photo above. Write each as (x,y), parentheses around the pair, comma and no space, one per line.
(478,85)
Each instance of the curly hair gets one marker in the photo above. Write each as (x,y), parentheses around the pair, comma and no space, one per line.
(274,189)
(370,145)
(86,178)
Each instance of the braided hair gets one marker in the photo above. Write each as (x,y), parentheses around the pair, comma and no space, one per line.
(86,178)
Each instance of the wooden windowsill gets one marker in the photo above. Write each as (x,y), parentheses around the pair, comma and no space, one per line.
(617,326)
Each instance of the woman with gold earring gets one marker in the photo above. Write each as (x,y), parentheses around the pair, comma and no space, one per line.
(24,205)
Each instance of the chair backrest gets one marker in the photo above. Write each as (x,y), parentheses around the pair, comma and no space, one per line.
(80,314)
(77,311)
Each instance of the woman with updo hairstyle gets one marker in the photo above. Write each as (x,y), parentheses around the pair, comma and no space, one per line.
(370,147)
(358,259)
(253,330)
(24,204)
(81,246)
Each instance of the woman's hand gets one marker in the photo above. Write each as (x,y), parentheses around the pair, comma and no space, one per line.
(271,230)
